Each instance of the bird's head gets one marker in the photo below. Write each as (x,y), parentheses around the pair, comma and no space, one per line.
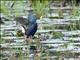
(32,17)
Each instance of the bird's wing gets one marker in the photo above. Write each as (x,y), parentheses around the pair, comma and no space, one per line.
(31,30)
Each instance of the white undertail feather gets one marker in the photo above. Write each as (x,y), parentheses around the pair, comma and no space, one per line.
(23,30)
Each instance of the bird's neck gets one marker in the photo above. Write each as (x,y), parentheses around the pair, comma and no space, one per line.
(32,23)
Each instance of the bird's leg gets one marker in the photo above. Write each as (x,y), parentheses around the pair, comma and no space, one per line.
(30,39)
(25,39)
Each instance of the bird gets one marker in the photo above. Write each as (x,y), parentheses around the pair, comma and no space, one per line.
(32,26)
(29,25)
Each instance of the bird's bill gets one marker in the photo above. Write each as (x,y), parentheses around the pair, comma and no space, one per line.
(41,17)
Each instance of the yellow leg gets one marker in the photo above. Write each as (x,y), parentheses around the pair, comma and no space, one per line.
(30,39)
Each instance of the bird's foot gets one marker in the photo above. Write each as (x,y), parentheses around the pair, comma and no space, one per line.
(24,43)
(28,41)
